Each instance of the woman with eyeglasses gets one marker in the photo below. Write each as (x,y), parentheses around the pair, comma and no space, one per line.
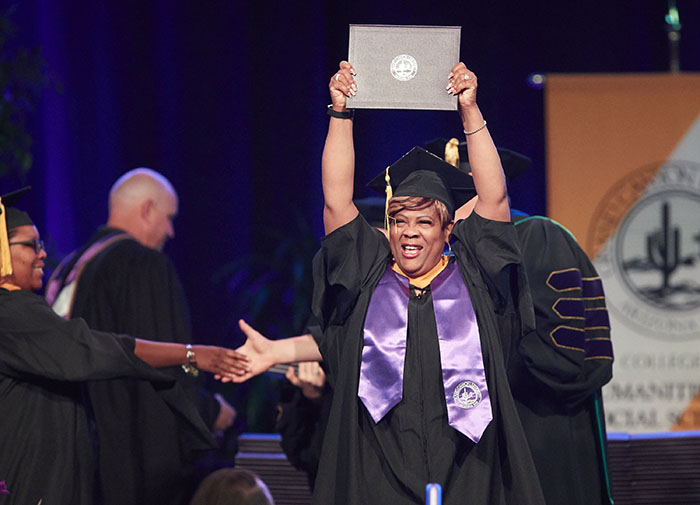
(46,449)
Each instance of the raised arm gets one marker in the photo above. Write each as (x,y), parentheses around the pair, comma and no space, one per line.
(490,183)
(338,162)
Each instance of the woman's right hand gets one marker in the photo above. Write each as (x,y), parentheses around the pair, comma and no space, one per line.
(342,85)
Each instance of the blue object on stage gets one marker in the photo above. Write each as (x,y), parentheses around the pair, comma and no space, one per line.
(433,494)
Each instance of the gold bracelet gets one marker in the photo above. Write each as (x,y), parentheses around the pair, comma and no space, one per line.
(477,130)
(190,367)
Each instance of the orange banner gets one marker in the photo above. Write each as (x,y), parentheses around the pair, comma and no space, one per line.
(602,127)
(623,174)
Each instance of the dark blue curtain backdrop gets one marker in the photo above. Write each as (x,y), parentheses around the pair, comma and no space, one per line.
(227,99)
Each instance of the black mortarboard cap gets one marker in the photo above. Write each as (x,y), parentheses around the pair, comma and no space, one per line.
(453,151)
(513,163)
(10,217)
(15,217)
(421,173)
(372,209)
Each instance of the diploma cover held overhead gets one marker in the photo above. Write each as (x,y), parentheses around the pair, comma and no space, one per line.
(403,67)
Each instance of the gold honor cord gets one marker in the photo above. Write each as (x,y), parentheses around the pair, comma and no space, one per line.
(389,195)
(452,152)
(5,258)
(424,280)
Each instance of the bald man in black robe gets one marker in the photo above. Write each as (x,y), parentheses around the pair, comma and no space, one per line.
(121,281)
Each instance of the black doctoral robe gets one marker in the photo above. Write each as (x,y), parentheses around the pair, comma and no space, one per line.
(129,288)
(45,435)
(391,462)
(556,377)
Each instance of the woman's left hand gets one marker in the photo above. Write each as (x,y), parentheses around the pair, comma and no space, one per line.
(463,83)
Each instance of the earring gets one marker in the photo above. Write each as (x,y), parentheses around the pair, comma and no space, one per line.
(449,248)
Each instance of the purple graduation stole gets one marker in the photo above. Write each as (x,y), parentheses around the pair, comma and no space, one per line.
(384,351)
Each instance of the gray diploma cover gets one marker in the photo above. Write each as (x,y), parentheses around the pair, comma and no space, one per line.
(403,67)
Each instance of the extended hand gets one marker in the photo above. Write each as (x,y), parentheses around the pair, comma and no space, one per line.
(258,351)
(220,361)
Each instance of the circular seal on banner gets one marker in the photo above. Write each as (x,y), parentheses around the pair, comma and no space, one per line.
(467,395)
(650,261)
(404,67)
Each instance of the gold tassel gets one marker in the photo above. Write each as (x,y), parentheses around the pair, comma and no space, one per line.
(5,258)
(452,152)
(389,194)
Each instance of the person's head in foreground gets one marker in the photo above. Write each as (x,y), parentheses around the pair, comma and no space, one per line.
(21,249)
(232,486)
(425,192)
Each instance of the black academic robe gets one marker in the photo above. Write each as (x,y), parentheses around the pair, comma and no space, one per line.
(392,461)
(46,450)
(129,288)
(556,383)
(301,423)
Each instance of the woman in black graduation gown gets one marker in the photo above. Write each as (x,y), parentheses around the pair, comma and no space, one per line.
(415,341)
(46,452)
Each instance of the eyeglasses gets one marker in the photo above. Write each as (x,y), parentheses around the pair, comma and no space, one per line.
(37,244)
